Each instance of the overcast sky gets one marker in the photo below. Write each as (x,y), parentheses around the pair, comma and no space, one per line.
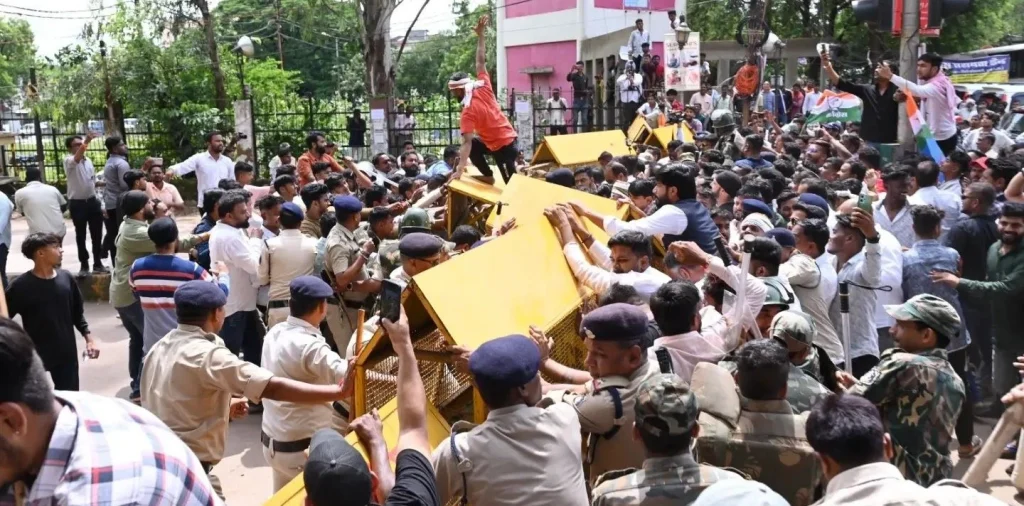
(53,34)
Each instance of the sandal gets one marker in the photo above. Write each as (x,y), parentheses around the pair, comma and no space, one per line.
(975,447)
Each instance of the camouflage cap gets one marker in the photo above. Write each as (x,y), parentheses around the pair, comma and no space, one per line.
(665,406)
(929,310)
(794,325)
(414,220)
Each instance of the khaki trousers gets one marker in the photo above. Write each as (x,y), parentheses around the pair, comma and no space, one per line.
(285,466)
(277,315)
(342,320)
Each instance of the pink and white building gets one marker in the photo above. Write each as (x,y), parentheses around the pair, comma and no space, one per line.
(540,40)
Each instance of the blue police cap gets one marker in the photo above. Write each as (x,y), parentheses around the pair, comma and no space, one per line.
(347,204)
(504,363)
(292,209)
(200,294)
(751,205)
(783,236)
(615,322)
(810,199)
(420,245)
(310,287)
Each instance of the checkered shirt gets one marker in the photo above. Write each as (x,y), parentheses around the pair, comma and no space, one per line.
(105,451)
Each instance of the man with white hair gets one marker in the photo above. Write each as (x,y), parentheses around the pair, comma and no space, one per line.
(485,129)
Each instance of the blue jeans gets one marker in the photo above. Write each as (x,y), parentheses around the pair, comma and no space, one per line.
(579,116)
(134,323)
(243,335)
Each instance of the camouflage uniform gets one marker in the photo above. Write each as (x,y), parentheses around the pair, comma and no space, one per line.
(389,257)
(664,406)
(812,366)
(802,391)
(918,394)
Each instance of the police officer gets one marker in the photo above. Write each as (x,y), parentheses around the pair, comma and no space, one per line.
(523,453)
(665,421)
(295,349)
(796,331)
(347,260)
(414,220)
(189,377)
(419,252)
(289,255)
(616,339)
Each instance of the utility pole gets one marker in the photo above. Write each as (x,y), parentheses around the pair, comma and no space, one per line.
(108,92)
(909,40)
(35,123)
(280,39)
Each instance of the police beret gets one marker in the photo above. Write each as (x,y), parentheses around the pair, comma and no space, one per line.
(615,322)
(505,362)
(751,205)
(310,287)
(347,204)
(810,199)
(200,294)
(783,236)
(420,245)
(292,209)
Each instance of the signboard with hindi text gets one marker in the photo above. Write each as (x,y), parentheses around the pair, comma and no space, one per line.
(832,107)
(682,64)
(988,69)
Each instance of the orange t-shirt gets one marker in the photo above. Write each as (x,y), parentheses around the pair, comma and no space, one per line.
(484,117)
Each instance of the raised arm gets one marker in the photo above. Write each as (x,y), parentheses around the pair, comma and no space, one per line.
(412,398)
(80,154)
(481,44)
(826,65)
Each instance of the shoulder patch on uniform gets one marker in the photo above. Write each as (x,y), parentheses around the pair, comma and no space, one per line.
(611,475)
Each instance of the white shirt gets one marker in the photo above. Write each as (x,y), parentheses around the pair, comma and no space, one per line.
(636,41)
(810,100)
(687,350)
(275,162)
(705,101)
(405,124)
(284,258)
(520,455)
(230,245)
(943,200)
(934,106)
(209,171)
(600,278)
(865,269)
(626,94)
(294,349)
(40,204)
(882,483)
(263,291)
(647,109)
(732,312)
(1002,140)
(814,283)
(556,111)
(902,226)
(892,276)
(666,220)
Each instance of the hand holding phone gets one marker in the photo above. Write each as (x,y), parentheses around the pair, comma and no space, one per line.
(390,300)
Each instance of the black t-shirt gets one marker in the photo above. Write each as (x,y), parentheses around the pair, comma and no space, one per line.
(51,310)
(415,484)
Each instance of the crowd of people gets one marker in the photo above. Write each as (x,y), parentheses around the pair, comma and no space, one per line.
(821,326)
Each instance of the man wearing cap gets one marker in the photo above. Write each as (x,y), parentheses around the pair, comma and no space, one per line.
(724,186)
(625,260)
(794,330)
(347,259)
(665,421)
(414,220)
(767,441)
(419,252)
(295,349)
(680,216)
(189,377)
(283,259)
(525,452)
(916,389)
(616,340)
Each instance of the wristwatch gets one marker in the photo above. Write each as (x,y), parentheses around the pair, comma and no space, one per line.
(874,240)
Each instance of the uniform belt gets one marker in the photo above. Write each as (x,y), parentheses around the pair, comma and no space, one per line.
(276,304)
(284,446)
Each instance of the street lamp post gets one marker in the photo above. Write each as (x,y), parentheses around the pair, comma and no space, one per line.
(243,48)
(682,31)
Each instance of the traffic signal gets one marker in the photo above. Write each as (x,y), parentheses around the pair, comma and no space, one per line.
(934,11)
(878,13)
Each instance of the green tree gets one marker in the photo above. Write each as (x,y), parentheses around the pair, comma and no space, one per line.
(17,53)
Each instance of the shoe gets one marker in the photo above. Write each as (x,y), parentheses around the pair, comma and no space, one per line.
(83,271)
(1010,451)
(100,268)
(970,450)
(135,399)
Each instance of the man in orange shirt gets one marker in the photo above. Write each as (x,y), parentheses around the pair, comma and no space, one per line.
(485,129)
(316,151)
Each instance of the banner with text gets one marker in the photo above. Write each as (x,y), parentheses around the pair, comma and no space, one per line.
(682,65)
(990,69)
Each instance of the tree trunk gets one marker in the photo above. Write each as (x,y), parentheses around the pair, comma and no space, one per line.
(376,16)
(220,90)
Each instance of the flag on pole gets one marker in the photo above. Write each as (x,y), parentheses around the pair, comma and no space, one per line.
(926,143)
(835,107)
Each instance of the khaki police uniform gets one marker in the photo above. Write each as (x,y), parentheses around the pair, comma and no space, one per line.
(519,455)
(187,381)
(296,350)
(284,258)
(343,249)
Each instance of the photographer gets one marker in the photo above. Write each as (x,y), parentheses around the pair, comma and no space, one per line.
(881,107)
(630,85)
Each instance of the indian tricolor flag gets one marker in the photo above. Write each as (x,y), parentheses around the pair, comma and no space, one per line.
(926,143)
(835,107)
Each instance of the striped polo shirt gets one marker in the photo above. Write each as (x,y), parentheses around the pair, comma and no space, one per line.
(154,279)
